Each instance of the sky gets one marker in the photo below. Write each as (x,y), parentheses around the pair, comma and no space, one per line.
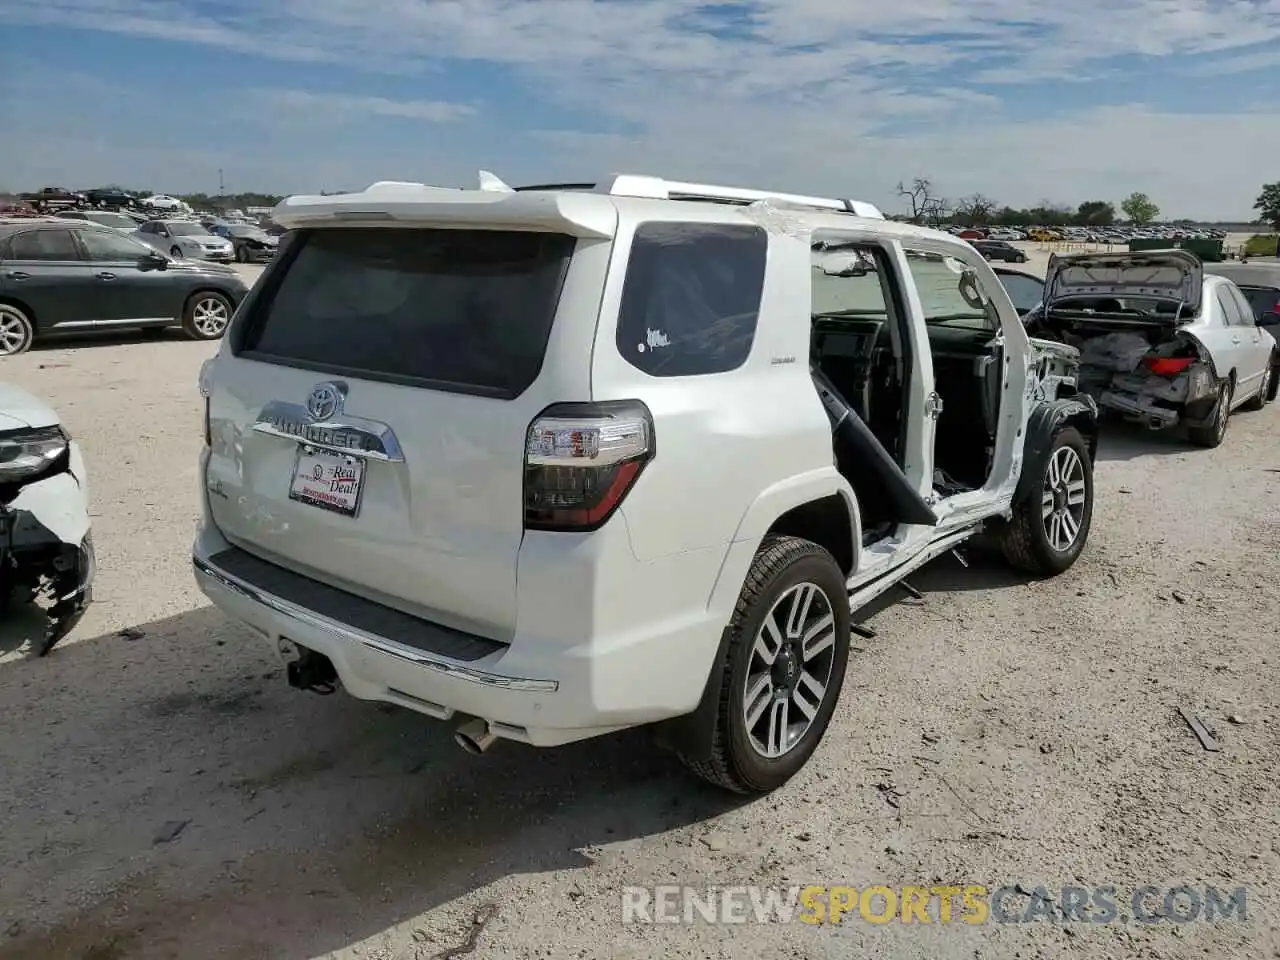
(1022,101)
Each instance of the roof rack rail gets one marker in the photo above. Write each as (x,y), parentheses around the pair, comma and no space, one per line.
(637,185)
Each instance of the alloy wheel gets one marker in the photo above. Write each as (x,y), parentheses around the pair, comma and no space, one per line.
(790,670)
(1063,499)
(13,333)
(210,316)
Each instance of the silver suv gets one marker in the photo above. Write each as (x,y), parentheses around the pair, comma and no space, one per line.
(557,461)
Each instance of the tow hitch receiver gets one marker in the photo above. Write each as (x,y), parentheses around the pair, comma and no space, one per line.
(311,671)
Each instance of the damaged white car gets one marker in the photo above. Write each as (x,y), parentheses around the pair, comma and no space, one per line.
(1161,343)
(46,551)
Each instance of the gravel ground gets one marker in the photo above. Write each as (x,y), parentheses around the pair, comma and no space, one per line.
(1000,731)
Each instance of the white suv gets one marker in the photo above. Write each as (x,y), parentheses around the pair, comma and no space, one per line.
(567,459)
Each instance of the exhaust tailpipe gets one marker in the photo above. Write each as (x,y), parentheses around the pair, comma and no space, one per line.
(474,736)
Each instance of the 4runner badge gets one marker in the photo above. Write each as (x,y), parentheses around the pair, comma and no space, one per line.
(325,400)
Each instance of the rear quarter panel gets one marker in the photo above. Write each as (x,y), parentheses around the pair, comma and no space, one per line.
(721,439)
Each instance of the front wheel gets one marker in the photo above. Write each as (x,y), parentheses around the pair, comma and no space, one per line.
(206,315)
(242,255)
(783,669)
(1049,527)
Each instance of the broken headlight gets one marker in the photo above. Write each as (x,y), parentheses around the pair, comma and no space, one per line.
(28,453)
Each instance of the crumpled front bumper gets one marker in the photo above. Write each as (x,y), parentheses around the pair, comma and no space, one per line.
(46,549)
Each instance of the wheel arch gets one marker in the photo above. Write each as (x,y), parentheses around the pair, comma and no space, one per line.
(799,503)
(1079,411)
(19,304)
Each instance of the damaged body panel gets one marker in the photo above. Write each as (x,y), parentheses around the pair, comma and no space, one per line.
(1157,338)
(46,548)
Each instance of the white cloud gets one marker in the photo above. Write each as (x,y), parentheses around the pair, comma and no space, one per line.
(831,95)
(336,108)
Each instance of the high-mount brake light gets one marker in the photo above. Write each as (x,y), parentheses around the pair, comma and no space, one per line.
(581,460)
(1168,366)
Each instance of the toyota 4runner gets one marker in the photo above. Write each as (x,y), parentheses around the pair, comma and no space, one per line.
(560,460)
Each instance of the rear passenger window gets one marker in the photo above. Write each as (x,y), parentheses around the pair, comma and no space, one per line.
(44,245)
(464,311)
(691,297)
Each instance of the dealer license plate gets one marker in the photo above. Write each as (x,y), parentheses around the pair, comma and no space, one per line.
(331,481)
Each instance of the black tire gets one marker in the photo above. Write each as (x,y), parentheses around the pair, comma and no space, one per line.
(175,252)
(17,332)
(1259,399)
(780,565)
(242,255)
(194,315)
(1025,540)
(1215,431)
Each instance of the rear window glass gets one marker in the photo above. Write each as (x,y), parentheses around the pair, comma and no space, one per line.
(691,297)
(467,311)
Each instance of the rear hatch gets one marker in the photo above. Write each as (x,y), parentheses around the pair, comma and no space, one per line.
(1171,276)
(369,419)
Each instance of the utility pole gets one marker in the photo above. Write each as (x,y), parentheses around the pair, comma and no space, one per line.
(222,188)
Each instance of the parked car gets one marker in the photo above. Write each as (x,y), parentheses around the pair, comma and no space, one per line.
(454,406)
(1260,284)
(109,197)
(103,218)
(63,277)
(1000,250)
(184,238)
(251,243)
(160,201)
(1162,342)
(46,547)
(1026,290)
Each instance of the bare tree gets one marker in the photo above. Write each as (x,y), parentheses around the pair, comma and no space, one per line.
(935,211)
(976,209)
(920,196)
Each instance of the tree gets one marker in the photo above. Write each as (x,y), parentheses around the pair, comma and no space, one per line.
(974,210)
(1268,204)
(935,211)
(920,196)
(1139,208)
(1096,213)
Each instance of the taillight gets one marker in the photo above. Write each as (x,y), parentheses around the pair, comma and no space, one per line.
(581,460)
(1168,366)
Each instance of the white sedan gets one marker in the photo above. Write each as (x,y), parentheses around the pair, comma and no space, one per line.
(184,238)
(1161,342)
(47,561)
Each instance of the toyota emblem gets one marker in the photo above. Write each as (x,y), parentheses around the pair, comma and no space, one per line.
(325,401)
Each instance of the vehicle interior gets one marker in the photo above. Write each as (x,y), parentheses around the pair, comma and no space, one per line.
(860,351)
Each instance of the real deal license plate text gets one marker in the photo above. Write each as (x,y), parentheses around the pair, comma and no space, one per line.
(328,480)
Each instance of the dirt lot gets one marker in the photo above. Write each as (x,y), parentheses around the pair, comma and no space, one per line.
(1000,731)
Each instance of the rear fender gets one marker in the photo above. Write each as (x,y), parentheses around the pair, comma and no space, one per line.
(691,735)
(1079,411)
(771,504)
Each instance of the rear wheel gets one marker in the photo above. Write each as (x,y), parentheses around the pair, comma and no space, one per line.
(783,669)
(1214,432)
(242,255)
(175,252)
(206,315)
(1259,400)
(1049,527)
(16,330)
